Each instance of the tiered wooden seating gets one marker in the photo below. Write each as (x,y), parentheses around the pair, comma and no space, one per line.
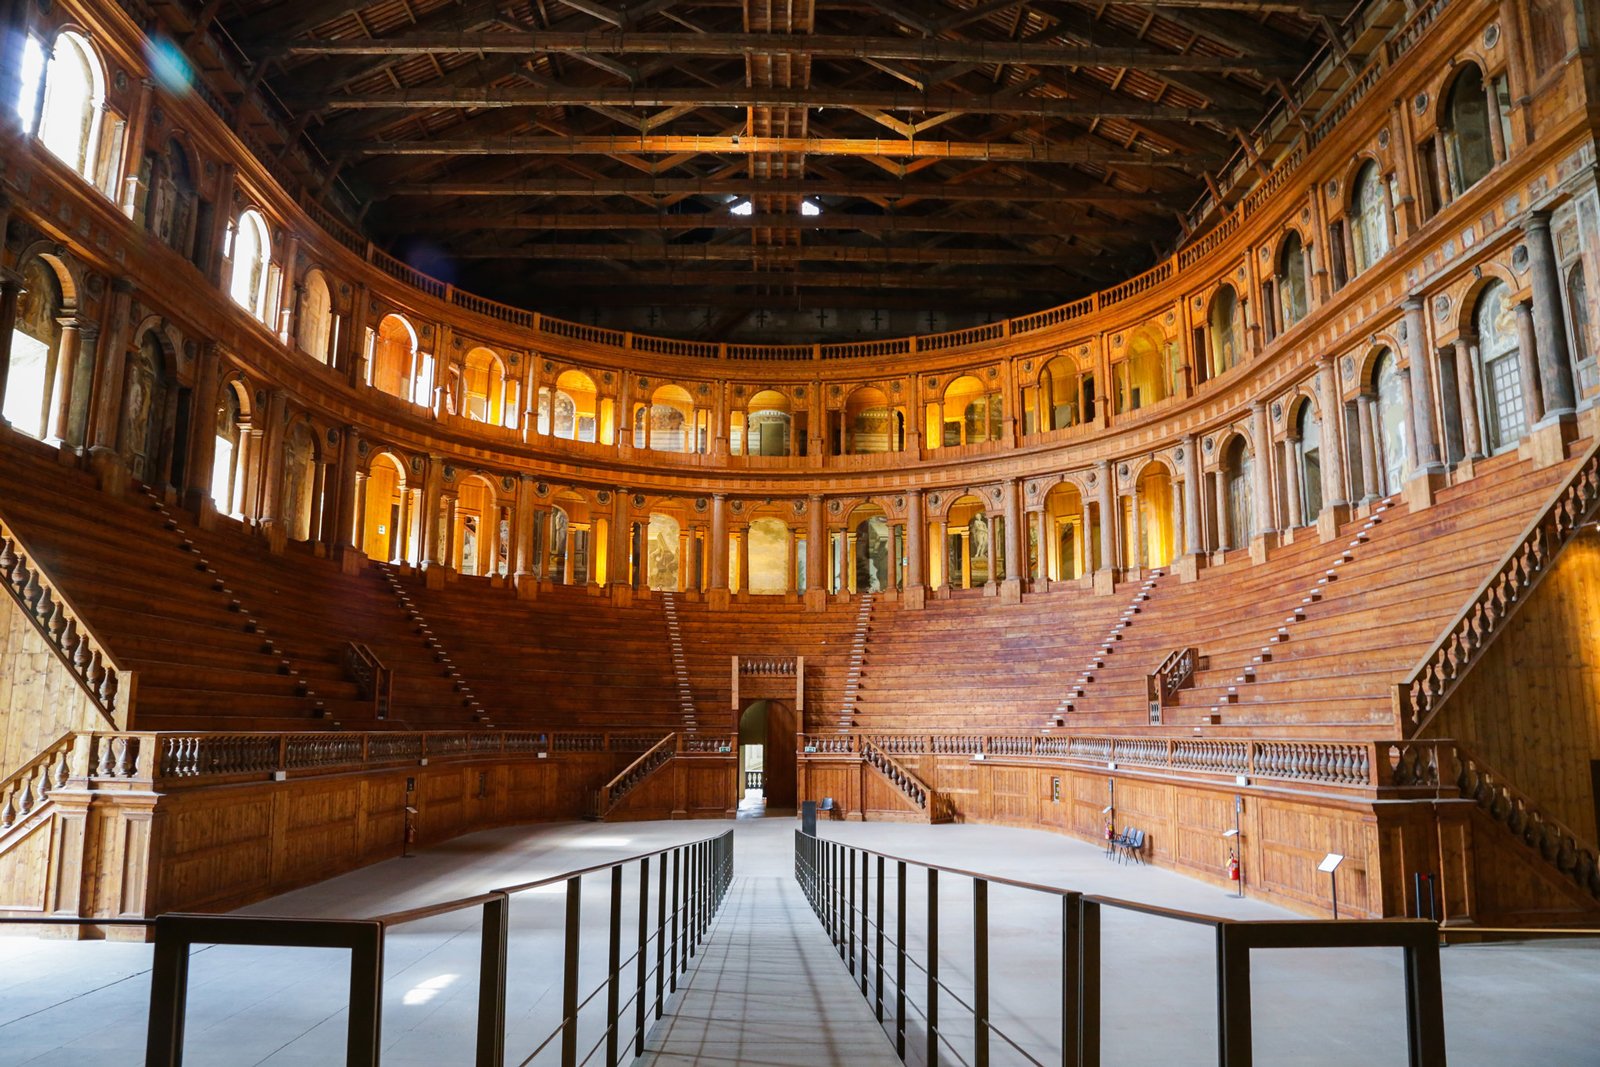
(970,663)
(565,657)
(200,662)
(769,627)
(1407,576)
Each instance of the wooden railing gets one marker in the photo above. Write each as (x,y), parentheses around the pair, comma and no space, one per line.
(767,666)
(1420,695)
(1174,673)
(27,789)
(63,628)
(1440,764)
(373,680)
(922,796)
(1339,764)
(650,761)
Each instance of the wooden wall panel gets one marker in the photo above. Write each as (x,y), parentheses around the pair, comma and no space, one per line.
(1531,707)
(40,700)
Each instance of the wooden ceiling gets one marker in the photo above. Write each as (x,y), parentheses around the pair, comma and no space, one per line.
(965,154)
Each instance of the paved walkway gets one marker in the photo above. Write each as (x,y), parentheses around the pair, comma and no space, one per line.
(768,989)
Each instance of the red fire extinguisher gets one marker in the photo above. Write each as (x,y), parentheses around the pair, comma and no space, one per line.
(1233,866)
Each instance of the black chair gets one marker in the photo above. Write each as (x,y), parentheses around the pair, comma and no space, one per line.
(829,808)
(1133,846)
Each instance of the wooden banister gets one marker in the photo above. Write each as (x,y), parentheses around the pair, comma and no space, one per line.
(29,786)
(1425,688)
(651,760)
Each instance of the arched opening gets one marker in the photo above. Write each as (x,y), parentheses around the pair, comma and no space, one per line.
(1393,462)
(35,346)
(574,531)
(1466,130)
(143,431)
(967,414)
(768,551)
(1236,472)
(1066,395)
(572,412)
(169,206)
(252,258)
(664,552)
(1291,279)
(314,331)
(1067,547)
(1223,340)
(487,395)
(227,478)
(1498,367)
(1369,210)
(971,554)
(394,358)
(871,550)
(1140,378)
(871,423)
(668,425)
(768,424)
(72,103)
(300,501)
(1153,533)
(766,754)
(1308,454)
(478,547)
(386,521)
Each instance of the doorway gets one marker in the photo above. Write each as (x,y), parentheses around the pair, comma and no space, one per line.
(766,756)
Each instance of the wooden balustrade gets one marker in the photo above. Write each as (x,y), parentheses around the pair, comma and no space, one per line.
(374,681)
(935,805)
(29,787)
(1174,673)
(653,758)
(1420,695)
(89,660)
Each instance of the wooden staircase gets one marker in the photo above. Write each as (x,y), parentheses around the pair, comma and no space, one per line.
(680,664)
(433,647)
(858,655)
(930,803)
(1097,660)
(608,796)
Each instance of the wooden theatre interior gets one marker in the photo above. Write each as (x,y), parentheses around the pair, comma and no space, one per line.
(424,417)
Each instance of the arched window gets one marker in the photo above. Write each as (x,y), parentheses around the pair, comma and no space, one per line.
(1236,464)
(768,424)
(1140,379)
(574,407)
(1390,431)
(393,364)
(1498,367)
(252,254)
(484,387)
(671,426)
(1309,446)
(1370,217)
(226,488)
(1467,132)
(966,414)
(1222,317)
(70,105)
(871,424)
(314,333)
(1292,280)
(1578,309)
(35,344)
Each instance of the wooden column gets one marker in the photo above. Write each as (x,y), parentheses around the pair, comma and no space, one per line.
(1368,442)
(719,542)
(113,357)
(1261,482)
(1193,496)
(344,532)
(1465,352)
(1422,407)
(522,550)
(130,192)
(1016,564)
(1549,321)
(814,544)
(916,554)
(1041,562)
(66,374)
(1528,363)
(202,442)
(273,442)
(430,514)
(1108,498)
(288,292)
(619,556)
(1333,434)
(1224,521)
(1291,480)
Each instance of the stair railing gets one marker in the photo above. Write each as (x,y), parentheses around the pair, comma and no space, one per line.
(108,685)
(913,788)
(28,788)
(649,761)
(1424,690)
(373,680)
(1163,683)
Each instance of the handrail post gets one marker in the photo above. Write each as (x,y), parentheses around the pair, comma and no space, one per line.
(849,947)
(661,934)
(642,970)
(980,972)
(1089,984)
(569,975)
(1071,978)
(864,923)
(613,965)
(933,967)
(677,865)
(877,958)
(900,962)
(1234,1045)
(492,983)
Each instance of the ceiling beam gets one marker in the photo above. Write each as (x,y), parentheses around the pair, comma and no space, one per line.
(1082,151)
(721,220)
(1104,105)
(660,252)
(619,281)
(746,187)
(922,50)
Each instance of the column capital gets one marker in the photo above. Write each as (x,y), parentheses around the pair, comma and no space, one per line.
(1536,220)
(1412,302)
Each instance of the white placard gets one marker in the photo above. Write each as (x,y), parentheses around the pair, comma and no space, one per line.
(1330,863)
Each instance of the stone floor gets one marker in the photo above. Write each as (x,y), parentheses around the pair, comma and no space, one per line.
(768,987)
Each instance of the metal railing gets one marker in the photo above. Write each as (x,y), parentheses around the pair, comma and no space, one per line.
(688,886)
(848,887)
